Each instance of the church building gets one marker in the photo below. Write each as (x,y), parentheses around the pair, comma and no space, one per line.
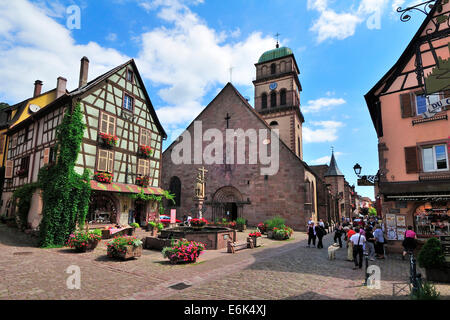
(241,190)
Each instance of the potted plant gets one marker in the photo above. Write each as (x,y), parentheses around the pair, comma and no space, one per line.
(282,233)
(276,222)
(183,251)
(83,241)
(109,139)
(254,236)
(241,224)
(262,227)
(198,223)
(135,225)
(104,177)
(124,248)
(145,151)
(431,257)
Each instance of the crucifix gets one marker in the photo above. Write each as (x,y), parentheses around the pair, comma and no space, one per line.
(277,35)
(228,119)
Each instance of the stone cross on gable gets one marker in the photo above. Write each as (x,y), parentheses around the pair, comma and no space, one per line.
(227,118)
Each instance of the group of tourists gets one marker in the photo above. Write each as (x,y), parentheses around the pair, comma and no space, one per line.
(316,231)
(362,235)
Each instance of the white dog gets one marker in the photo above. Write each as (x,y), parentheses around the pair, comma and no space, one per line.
(332,251)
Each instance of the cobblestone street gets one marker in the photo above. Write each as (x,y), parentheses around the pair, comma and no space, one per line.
(278,270)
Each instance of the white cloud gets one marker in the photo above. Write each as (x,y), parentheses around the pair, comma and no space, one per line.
(322,104)
(40,48)
(334,25)
(322,131)
(325,159)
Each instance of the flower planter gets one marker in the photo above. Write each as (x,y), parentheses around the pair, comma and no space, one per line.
(176,260)
(129,253)
(91,245)
(438,275)
(256,242)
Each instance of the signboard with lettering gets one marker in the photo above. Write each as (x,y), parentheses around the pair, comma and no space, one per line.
(173,215)
(445,243)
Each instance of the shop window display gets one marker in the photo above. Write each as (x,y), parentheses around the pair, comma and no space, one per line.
(433,219)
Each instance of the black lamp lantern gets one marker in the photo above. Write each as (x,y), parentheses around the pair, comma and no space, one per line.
(357,169)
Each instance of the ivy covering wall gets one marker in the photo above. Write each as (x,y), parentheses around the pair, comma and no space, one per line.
(65,193)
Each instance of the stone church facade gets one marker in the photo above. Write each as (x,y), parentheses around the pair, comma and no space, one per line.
(240,190)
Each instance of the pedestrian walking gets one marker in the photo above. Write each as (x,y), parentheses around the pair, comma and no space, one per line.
(358,241)
(350,233)
(379,242)
(370,245)
(311,234)
(338,235)
(320,232)
(409,243)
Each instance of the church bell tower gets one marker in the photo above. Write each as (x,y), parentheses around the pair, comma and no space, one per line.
(277,95)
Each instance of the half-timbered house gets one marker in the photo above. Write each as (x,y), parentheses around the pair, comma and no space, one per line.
(121,146)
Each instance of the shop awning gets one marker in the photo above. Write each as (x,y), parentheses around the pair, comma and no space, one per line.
(124,188)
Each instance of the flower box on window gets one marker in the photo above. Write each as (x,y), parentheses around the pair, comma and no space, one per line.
(143,181)
(103,177)
(145,151)
(109,139)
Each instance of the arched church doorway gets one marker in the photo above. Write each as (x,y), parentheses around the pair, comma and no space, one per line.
(228,203)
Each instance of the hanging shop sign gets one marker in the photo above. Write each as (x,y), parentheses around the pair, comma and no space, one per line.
(434,108)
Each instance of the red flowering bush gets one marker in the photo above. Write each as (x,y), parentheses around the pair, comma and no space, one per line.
(143,181)
(199,222)
(104,177)
(145,151)
(119,245)
(109,139)
(81,240)
(187,251)
(255,234)
(262,227)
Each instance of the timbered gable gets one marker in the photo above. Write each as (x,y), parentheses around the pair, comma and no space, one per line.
(119,106)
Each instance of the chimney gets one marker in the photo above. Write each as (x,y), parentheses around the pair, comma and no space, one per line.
(37,88)
(84,68)
(61,87)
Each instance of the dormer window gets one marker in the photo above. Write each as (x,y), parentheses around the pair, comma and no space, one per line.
(130,75)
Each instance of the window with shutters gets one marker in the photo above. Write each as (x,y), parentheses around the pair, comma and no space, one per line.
(411,160)
(435,158)
(145,137)
(9,164)
(143,167)
(107,124)
(105,161)
(14,141)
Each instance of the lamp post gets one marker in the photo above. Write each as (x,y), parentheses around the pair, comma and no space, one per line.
(365,180)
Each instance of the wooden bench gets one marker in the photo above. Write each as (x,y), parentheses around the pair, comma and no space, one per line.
(232,247)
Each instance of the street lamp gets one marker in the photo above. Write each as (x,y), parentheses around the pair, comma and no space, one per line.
(357,169)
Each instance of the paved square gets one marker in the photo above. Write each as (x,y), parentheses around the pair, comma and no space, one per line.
(278,270)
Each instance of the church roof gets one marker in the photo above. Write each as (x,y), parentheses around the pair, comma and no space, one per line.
(275,54)
(333,170)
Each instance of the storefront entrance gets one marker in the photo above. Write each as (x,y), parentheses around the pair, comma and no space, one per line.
(432,219)
(102,209)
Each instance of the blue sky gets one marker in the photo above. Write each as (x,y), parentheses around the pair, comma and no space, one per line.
(184,49)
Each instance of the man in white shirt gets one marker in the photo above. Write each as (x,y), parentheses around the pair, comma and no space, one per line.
(358,241)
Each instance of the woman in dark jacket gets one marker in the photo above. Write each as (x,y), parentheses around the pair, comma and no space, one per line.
(320,232)
(338,234)
(312,234)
